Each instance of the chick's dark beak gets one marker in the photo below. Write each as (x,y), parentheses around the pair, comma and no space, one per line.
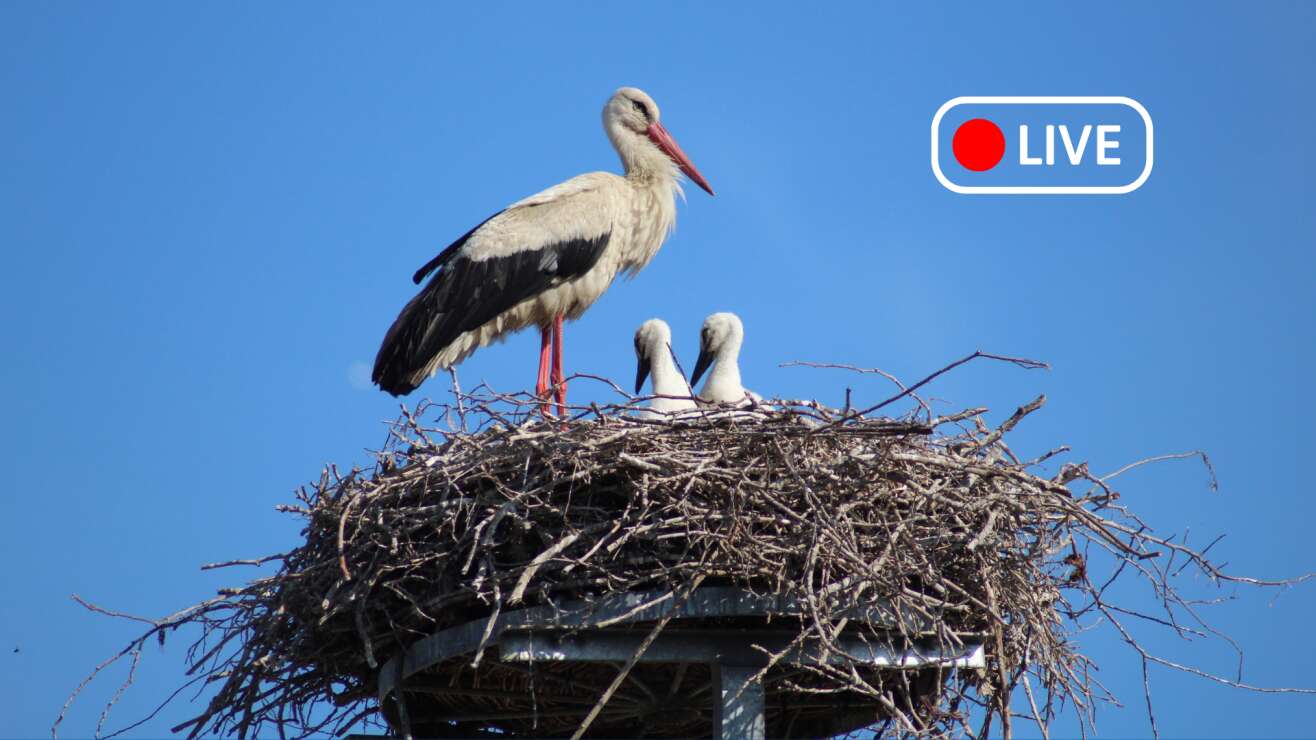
(702,364)
(641,372)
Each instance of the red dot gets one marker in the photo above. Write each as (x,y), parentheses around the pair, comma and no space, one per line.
(978,144)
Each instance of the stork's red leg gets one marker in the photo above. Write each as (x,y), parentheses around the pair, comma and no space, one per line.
(559,382)
(542,381)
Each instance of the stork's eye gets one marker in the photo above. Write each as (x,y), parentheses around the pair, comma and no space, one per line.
(644,111)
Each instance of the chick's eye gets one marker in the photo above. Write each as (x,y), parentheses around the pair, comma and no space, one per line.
(644,112)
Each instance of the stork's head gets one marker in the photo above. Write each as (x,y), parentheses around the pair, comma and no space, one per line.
(631,120)
(720,337)
(653,337)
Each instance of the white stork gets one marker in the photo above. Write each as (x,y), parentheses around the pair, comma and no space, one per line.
(719,346)
(543,258)
(653,356)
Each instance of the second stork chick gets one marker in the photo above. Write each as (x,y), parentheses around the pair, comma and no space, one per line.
(653,355)
(719,347)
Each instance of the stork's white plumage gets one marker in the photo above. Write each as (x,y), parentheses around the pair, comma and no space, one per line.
(653,356)
(719,346)
(544,258)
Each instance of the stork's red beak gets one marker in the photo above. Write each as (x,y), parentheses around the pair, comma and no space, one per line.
(664,140)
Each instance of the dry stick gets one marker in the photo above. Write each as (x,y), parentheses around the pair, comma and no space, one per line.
(958,417)
(519,591)
(257,561)
(616,682)
(677,361)
(492,622)
(132,673)
(1210,469)
(1020,361)
(173,620)
(457,394)
(158,707)
(110,613)
(358,615)
(1032,703)
(342,549)
(1010,423)
(1146,694)
(1005,688)
(54,729)
(839,366)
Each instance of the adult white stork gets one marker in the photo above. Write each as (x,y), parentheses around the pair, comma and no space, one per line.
(653,358)
(719,346)
(543,258)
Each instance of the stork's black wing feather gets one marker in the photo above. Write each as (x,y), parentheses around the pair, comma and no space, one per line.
(447,252)
(467,293)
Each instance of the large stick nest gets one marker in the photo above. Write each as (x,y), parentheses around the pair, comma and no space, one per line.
(479,508)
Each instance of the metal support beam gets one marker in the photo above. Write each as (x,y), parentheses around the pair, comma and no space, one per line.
(746,647)
(704,603)
(739,714)
(594,631)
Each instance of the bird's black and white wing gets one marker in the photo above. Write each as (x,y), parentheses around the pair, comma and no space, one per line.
(520,267)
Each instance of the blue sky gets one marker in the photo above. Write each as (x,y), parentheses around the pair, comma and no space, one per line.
(210,213)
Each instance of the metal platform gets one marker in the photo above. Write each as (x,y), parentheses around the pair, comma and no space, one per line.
(732,634)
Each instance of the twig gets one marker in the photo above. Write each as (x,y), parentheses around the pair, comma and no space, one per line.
(1019,361)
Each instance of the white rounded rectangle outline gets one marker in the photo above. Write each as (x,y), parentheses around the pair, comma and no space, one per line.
(1041,189)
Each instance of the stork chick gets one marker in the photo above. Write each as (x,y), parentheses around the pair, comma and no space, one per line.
(653,356)
(719,346)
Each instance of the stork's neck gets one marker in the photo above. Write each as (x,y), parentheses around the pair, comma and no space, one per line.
(667,380)
(645,164)
(726,367)
(651,206)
